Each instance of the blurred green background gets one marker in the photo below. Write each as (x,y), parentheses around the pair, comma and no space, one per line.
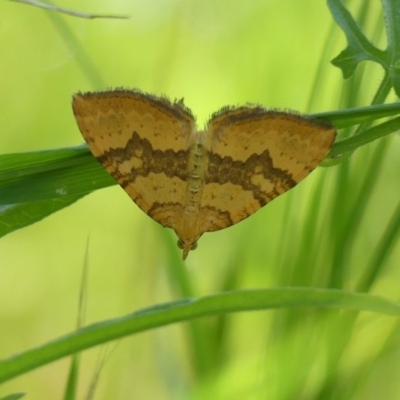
(324,233)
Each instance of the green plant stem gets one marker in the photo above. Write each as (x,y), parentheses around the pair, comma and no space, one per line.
(368,136)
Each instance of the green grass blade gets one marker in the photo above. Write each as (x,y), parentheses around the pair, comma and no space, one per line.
(19,216)
(187,309)
(386,244)
(14,396)
(29,180)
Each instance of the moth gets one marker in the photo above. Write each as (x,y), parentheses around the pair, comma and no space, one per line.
(196,181)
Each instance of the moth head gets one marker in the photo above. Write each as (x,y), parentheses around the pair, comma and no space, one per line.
(186,247)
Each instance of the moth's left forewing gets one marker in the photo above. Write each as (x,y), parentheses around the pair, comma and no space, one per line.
(256,155)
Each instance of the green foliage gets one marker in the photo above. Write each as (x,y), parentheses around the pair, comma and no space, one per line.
(329,249)
(361,49)
(14,396)
(187,309)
